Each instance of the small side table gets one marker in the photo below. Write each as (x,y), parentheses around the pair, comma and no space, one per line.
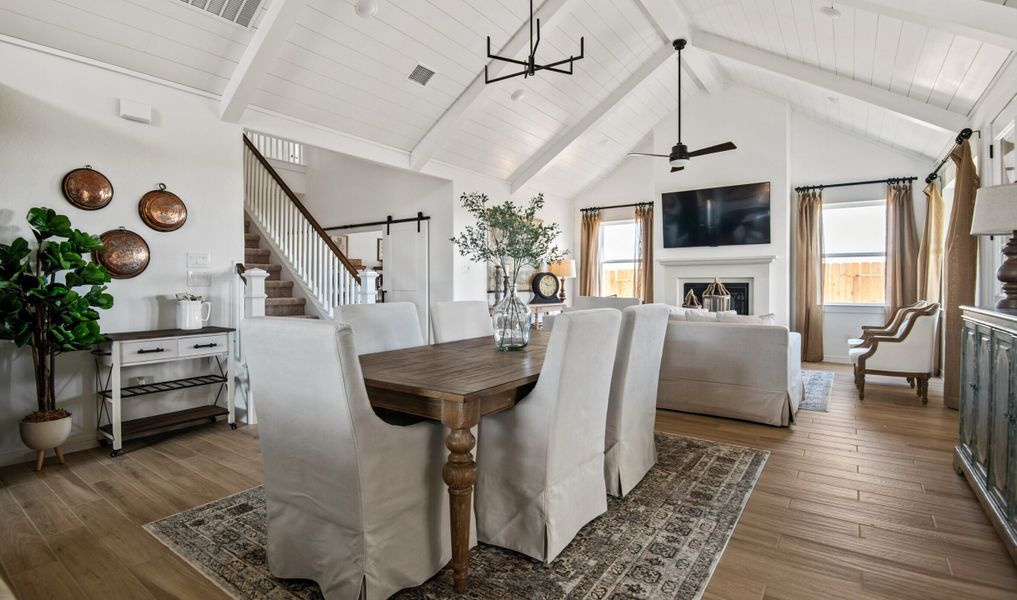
(154,347)
(538,310)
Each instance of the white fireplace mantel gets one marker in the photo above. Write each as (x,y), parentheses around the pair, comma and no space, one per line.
(727,260)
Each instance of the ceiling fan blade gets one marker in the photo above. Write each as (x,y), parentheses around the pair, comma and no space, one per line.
(673,169)
(713,149)
(645,154)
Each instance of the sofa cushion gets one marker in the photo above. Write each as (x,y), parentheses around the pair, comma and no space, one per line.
(769,319)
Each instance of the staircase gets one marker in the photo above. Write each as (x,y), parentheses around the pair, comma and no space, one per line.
(280,301)
(277,225)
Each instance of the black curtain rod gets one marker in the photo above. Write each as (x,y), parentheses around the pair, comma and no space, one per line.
(387,222)
(890,180)
(963,135)
(589,208)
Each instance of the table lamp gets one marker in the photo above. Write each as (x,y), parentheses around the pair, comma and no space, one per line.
(996,214)
(562,269)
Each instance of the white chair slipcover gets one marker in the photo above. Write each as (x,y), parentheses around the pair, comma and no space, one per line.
(451,321)
(354,504)
(632,409)
(382,327)
(540,474)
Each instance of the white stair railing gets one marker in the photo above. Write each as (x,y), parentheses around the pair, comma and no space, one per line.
(305,249)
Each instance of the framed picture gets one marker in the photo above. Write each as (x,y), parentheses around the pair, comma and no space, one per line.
(380,246)
(343,242)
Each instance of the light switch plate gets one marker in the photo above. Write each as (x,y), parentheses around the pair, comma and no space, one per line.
(199,259)
(199,278)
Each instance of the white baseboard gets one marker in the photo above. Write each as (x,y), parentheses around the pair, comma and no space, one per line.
(837,359)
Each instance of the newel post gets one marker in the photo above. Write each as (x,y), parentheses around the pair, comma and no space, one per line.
(368,287)
(254,292)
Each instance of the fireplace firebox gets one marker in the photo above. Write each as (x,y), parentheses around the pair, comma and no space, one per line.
(740,300)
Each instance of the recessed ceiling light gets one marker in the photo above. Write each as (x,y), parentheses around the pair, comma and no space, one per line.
(367,8)
(830,11)
(518,94)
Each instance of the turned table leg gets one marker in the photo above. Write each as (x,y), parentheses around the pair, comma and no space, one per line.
(460,473)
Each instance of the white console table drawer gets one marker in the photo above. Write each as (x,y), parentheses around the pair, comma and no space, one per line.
(203,346)
(148,350)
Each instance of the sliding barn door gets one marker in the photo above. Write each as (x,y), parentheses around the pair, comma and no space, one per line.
(407,268)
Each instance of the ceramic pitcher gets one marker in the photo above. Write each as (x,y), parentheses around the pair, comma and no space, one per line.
(192,314)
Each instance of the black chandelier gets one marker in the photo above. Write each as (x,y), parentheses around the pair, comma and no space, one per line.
(530,66)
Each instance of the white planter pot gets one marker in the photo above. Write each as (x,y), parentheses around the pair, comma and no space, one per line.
(45,435)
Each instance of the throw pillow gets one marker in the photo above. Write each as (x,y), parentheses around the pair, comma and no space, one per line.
(701,317)
(769,319)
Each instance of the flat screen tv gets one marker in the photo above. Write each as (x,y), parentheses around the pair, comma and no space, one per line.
(725,216)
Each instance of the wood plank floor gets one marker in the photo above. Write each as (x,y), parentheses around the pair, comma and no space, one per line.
(857,503)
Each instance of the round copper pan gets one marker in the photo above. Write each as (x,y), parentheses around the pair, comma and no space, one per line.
(126,253)
(162,210)
(87,188)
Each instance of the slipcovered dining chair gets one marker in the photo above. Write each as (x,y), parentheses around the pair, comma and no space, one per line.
(541,465)
(382,327)
(354,504)
(632,410)
(909,352)
(451,321)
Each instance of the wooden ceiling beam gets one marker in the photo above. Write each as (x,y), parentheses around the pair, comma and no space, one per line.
(975,19)
(539,161)
(272,31)
(913,110)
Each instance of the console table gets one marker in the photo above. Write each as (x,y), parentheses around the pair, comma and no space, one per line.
(987,452)
(155,347)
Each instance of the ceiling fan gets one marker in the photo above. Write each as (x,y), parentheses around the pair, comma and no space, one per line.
(680,154)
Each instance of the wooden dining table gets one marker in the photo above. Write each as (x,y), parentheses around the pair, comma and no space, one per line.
(456,383)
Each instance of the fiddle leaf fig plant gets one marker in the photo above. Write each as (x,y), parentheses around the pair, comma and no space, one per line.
(39,304)
(508,235)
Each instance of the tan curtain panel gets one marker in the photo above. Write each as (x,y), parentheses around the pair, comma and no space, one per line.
(809,275)
(930,255)
(930,259)
(960,265)
(589,278)
(901,248)
(644,273)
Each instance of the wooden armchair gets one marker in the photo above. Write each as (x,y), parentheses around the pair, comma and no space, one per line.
(890,328)
(908,352)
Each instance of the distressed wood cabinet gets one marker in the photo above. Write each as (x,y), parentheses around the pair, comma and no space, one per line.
(985,453)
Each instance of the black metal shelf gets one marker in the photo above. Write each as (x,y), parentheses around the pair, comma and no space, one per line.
(165,386)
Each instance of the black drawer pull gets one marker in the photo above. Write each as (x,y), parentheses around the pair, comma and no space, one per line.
(212,345)
(150,351)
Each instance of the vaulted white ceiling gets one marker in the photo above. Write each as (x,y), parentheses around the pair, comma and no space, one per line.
(885,69)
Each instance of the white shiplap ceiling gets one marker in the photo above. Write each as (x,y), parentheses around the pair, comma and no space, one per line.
(350,74)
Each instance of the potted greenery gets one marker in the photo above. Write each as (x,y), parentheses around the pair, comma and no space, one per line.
(513,238)
(39,308)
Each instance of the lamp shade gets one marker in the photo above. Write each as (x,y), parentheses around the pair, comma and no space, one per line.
(995,210)
(564,269)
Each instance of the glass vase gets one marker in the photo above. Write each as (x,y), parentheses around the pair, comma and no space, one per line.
(511,322)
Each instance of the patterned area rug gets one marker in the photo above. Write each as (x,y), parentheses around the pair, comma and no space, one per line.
(662,541)
(818,385)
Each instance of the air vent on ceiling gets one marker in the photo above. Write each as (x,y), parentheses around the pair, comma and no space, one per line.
(240,12)
(421,74)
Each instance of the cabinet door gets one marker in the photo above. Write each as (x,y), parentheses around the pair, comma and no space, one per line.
(969,376)
(999,416)
(982,391)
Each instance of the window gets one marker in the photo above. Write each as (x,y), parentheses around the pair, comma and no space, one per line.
(854,252)
(619,258)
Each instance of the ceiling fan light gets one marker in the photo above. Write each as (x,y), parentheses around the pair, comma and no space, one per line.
(679,162)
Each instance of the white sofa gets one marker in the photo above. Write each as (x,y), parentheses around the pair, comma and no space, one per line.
(742,371)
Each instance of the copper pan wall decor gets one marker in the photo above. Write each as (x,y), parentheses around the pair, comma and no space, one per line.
(126,254)
(87,188)
(162,210)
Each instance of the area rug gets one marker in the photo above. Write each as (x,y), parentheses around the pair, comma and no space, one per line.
(662,541)
(818,385)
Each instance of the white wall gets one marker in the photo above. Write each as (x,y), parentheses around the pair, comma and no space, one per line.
(758,125)
(57,115)
(824,154)
(364,246)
